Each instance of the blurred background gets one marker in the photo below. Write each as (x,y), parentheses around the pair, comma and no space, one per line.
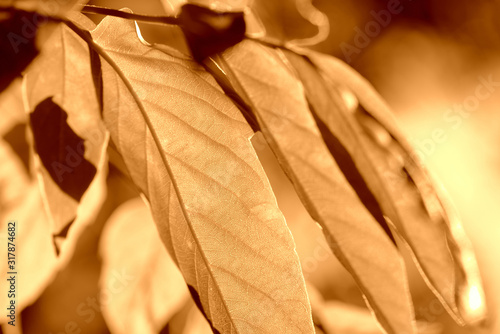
(437,63)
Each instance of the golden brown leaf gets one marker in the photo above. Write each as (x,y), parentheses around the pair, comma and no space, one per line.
(154,289)
(68,133)
(409,197)
(277,99)
(187,147)
(20,201)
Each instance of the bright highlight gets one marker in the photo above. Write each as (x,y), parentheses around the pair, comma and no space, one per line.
(475,300)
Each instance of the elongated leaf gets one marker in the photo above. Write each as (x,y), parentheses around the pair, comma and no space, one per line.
(14,181)
(79,267)
(384,176)
(11,107)
(334,317)
(341,318)
(423,216)
(156,289)
(187,147)
(20,201)
(189,320)
(278,101)
(68,132)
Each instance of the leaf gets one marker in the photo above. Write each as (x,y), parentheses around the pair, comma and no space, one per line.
(12,108)
(51,130)
(20,201)
(13,123)
(44,7)
(17,50)
(189,320)
(334,317)
(208,31)
(341,318)
(277,99)
(281,22)
(339,133)
(298,22)
(156,289)
(24,26)
(187,147)
(65,119)
(14,180)
(408,196)
(398,199)
(79,267)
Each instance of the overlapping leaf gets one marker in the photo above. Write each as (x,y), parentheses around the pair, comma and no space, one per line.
(20,201)
(341,318)
(402,186)
(68,132)
(79,268)
(13,187)
(187,147)
(156,290)
(189,320)
(23,28)
(43,7)
(11,106)
(277,99)
(335,317)
(298,22)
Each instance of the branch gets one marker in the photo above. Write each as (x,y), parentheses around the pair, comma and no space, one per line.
(89,9)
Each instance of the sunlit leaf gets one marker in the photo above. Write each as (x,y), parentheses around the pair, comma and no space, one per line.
(68,132)
(187,147)
(407,194)
(189,320)
(79,267)
(13,122)
(341,318)
(156,290)
(20,201)
(296,21)
(11,106)
(278,101)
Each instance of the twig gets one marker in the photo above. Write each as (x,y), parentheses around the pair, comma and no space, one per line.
(157,19)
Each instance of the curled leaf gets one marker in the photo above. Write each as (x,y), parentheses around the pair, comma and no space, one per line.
(68,132)
(208,31)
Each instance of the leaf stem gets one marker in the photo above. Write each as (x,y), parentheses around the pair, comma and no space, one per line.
(157,19)
(169,20)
